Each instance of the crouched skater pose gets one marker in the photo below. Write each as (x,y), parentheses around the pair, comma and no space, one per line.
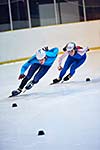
(38,64)
(76,56)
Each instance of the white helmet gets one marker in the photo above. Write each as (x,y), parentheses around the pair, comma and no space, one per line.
(70,46)
(40,54)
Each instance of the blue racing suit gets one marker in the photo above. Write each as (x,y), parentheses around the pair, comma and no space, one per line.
(72,62)
(35,66)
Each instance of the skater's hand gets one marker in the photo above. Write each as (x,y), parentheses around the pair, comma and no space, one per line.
(21,76)
(59,68)
(86,49)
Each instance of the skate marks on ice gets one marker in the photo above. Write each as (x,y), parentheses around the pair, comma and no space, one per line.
(56,90)
(59,89)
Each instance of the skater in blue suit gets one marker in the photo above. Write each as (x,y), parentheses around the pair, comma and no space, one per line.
(76,56)
(38,64)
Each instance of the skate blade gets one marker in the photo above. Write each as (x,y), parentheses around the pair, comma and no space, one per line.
(11,96)
(57,83)
(24,91)
(53,83)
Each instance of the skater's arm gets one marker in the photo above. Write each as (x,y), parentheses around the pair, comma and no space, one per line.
(61,58)
(82,51)
(53,52)
(26,65)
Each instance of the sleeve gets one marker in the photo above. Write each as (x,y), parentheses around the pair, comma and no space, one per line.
(85,49)
(61,58)
(53,52)
(26,65)
(82,51)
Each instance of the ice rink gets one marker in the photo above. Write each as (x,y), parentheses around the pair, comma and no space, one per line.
(68,113)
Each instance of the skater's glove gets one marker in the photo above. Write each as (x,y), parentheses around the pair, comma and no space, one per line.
(86,49)
(21,76)
(59,68)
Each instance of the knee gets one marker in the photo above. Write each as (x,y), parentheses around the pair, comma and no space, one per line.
(35,81)
(72,71)
(28,77)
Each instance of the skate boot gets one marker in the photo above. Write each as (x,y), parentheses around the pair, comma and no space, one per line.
(16,92)
(29,85)
(67,77)
(56,80)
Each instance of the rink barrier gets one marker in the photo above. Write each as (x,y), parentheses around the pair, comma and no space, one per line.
(23,59)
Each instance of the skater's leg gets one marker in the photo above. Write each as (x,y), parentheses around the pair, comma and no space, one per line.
(31,71)
(67,64)
(41,72)
(76,65)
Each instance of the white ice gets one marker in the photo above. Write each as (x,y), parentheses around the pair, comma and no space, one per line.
(68,113)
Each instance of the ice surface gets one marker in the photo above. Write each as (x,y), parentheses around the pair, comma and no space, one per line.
(68,113)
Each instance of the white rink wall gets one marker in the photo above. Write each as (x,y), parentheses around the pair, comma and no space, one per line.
(23,43)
